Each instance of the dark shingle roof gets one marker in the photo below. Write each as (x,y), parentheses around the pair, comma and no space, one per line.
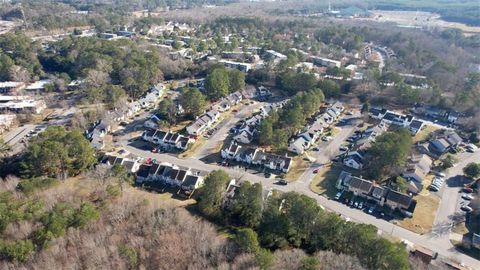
(144,170)
(400,198)
(361,184)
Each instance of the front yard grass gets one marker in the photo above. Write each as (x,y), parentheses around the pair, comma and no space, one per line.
(423,216)
(299,166)
(193,148)
(324,181)
(424,133)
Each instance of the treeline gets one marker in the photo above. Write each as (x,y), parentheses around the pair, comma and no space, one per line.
(293,220)
(279,126)
(222,81)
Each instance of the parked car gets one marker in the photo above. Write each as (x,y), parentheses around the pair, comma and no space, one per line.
(436,185)
(343,148)
(467,197)
(338,195)
(371,209)
(360,205)
(434,188)
(466,208)
(468,190)
(315,171)
(282,182)
(326,138)
(350,203)
(349,113)
(316,149)
(440,174)
(355,204)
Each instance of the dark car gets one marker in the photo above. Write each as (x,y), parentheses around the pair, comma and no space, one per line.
(282,182)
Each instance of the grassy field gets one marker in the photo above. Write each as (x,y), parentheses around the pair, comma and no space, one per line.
(424,215)
(299,166)
(324,182)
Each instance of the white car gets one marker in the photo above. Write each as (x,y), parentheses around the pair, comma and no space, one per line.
(466,208)
(434,188)
(436,185)
(467,197)
(440,174)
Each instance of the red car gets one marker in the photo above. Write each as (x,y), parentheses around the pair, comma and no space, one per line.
(468,190)
(315,171)
(235,110)
(154,150)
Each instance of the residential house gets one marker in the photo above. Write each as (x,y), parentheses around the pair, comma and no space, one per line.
(276,57)
(342,179)
(444,141)
(38,86)
(299,145)
(190,184)
(244,67)
(378,194)
(416,126)
(97,133)
(417,169)
(256,157)
(273,162)
(231,151)
(11,88)
(355,160)
(203,123)
(377,113)
(167,140)
(132,166)
(21,104)
(359,187)
(143,173)
(325,62)
(398,200)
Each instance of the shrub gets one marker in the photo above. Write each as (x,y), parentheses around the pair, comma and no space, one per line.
(17,250)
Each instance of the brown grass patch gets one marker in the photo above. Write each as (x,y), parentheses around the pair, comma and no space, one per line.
(424,215)
(324,181)
(299,166)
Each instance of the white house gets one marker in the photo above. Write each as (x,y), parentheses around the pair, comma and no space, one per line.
(203,123)
(354,160)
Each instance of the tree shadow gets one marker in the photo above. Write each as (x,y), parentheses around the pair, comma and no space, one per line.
(457,181)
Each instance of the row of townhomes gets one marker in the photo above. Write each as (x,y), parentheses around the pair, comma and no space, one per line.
(311,133)
(203,123)
(207,120)
(246,132)
(132,165)
(393,118)
(21,104)
(227,102)
(185,179)
(167,140)
(381,195)
(256,156)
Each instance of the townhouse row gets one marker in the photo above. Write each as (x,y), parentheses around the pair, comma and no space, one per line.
(256,156)
(312,133)
(167,140)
